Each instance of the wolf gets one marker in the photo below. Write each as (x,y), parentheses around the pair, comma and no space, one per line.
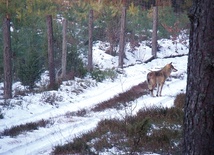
(158,78)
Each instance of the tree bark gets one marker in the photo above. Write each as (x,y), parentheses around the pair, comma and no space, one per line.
(7,59)
(64,48)
(122,38)
(50,52)
(154,31)
(90,45)
(199,106)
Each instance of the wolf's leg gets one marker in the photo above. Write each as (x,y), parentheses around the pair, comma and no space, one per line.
(161,87)
(151,92)
(157,89)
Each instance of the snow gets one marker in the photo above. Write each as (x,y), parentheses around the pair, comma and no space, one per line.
(78,94)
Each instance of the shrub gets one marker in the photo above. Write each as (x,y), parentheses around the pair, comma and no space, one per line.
(30,70)
(51,98)
(79,113)
(151,130)
(16,130)
(79,145)
(156,129)
(180,100)
(75,64)
(100,75)
(1,115)
(122,99)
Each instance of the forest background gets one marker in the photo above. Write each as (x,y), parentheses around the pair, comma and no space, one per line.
(29,30)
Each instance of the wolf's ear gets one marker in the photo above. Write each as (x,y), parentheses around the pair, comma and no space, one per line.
(170,63)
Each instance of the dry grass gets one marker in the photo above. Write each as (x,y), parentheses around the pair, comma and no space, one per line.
(155,129)
(79,113)
(117,101)
(180,100)
(16,130)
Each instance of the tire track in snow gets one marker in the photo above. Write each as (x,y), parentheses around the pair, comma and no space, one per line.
(100,95)
(46,142)
(32,147)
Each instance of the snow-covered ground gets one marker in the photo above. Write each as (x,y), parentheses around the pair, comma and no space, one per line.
(85,94)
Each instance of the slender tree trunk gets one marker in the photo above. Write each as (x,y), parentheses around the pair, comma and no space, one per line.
(199,106)
(50,52)
(7,59)
(154,31)
(122,38)
(64,48)
(90,45)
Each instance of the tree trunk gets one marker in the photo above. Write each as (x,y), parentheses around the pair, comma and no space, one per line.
(64,48)
(154,31)
(199,106)
(90,45)
(7,59)
(50,52)
(122,38)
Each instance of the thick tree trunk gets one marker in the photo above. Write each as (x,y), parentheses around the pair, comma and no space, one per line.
(7,59)
(154,31)
(50,52)
(64,48)
(199,106)
(90,45)
(122,38)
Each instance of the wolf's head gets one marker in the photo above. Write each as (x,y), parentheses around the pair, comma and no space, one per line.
(171,67)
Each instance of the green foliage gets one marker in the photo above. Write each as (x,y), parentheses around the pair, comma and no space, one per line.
(167,15)
(138,21)
(138,24)
(176,21)
(30,69)
(28,35)
(75,64)
(77,33)
(100,75)
(78,16)
(183,20)
(80,11)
